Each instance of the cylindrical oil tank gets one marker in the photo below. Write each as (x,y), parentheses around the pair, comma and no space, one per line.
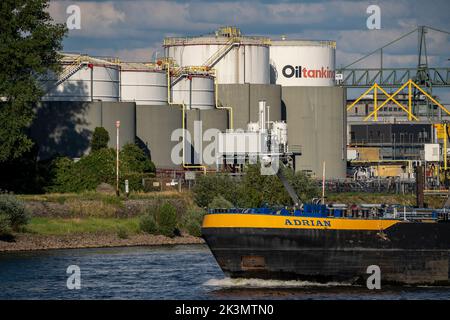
(143,84)
(303,63)
(236,58)
(196,91)
(89,79)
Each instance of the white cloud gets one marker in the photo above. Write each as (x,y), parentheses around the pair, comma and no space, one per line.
(97,18)
(130,28)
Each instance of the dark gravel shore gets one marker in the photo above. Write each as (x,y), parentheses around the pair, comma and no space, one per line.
(27,242)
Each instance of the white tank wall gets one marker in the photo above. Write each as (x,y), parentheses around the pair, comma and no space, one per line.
(144,87)
(243,64)
(78,86)
(315,63)
(197,93)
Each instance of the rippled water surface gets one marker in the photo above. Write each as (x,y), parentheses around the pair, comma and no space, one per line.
(166,272)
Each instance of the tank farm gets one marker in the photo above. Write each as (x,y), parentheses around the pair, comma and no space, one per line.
(285,102)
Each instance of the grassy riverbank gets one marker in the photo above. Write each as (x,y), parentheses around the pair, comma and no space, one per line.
(61,226)
(93,219)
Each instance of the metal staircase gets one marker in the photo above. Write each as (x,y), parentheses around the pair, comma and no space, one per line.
(70,71)
(219,54)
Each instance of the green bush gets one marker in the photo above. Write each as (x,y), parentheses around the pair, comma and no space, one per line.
(100,166)
(5,228)
(167,220)
(193,221)
(13,212)
(219,202)
(148,224)
(134,159)
(122,233)
(100,139)
(257,190)
(194,229)
(209,186)
(253,190)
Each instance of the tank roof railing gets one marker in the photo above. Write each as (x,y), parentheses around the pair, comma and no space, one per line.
(321,43)
(257,40)
(81,57)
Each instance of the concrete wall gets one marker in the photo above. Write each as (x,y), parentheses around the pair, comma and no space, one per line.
(111,112)
(201,144)
(155,125)
(244,98)
(65,127)
(316,121)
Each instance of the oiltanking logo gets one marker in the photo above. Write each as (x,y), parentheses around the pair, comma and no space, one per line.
(290,71)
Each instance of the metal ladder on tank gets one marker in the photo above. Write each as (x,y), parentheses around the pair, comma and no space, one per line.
(223,51)
(70,71)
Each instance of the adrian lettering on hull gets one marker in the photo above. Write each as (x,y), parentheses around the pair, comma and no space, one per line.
(307,223)
(302,72)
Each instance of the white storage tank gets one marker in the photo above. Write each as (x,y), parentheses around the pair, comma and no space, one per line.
(144,84)
(303,63)
(196,91)
(236,58)
(85,79)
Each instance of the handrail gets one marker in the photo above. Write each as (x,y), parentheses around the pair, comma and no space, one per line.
(216,97)
(186,166)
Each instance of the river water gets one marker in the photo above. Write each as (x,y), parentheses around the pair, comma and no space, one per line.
(163,272)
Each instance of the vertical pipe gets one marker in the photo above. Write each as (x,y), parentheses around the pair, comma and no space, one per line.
(190,93)
(92,83)
(445,146)
(262,115)
(323,182)
(409,102)
(169,100)
(216,88)
(120,81)
(117,157)
(375,103)
(419,186)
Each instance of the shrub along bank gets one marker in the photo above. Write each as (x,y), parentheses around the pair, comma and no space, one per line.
(100,167)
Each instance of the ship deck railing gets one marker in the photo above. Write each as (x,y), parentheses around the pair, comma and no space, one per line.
(395,213)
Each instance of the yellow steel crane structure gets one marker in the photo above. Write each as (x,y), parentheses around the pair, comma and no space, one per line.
(391,97)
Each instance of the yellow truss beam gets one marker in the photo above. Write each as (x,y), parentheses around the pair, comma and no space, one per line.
(391,97)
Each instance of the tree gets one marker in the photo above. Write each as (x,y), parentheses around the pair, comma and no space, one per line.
(100,166)
(254,189)
(207,187)
(260,189)
(134,159)
(29,45)
(100,139)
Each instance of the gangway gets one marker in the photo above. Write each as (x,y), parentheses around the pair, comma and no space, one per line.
(288,186)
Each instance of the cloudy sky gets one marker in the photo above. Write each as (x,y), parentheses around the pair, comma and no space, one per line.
(133,30)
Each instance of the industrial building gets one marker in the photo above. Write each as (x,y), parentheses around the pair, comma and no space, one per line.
(216,80)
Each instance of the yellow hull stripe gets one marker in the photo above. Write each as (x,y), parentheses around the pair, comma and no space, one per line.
(236,220)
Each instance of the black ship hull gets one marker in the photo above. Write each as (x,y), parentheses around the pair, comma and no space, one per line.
(406,253)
